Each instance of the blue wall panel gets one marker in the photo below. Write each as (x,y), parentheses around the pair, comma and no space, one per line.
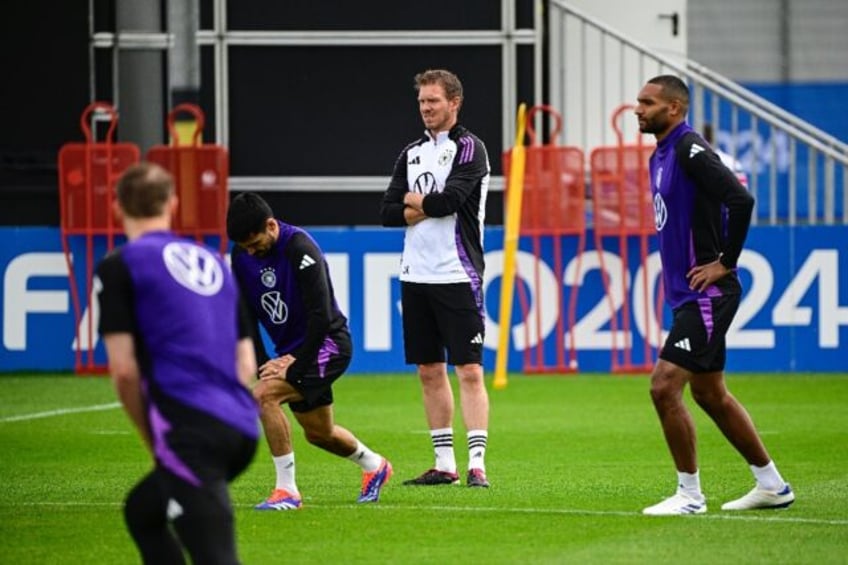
(794,315)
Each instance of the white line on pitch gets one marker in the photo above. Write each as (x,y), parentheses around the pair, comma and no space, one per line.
(575,511)
(60,412)
(387,507)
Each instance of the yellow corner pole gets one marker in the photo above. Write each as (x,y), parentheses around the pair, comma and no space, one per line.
(515,187)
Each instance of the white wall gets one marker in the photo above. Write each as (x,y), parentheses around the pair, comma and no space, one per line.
(747,40)
(598,76)
(641,21)
(818,39)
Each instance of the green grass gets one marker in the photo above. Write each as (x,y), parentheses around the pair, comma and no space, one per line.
(572,461)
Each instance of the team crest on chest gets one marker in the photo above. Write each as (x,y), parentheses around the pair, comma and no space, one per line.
(446,157)
(268,277)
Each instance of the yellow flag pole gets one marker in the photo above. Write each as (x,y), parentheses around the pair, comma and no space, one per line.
(515,187)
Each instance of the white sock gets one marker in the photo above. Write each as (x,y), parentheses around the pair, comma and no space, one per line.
(285,472)
(443,447)
(477,440)
(690,484)
(768,477)
(365,458)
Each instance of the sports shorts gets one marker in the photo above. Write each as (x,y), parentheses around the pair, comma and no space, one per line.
(315,385)
(696,340)
(197,455)
(439,318)
(195,446)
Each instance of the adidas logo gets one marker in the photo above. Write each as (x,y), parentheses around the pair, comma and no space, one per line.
(415,161)
(478,339)
(683,344)
(307,261)
(694,150)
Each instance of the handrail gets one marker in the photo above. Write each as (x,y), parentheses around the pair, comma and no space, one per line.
(767,105)
(756,105)
(770,119)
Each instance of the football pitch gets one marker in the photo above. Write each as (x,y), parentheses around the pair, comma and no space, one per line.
(572,461)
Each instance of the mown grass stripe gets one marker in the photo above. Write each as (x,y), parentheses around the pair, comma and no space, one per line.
(60,412)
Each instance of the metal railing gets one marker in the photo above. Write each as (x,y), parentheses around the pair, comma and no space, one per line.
(797,172)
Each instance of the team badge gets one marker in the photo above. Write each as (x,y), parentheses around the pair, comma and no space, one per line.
(446,157)
(268,277)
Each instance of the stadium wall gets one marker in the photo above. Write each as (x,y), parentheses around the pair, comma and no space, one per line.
(794,315)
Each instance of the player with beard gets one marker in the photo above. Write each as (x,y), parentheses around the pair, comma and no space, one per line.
(285,280)
(702,215)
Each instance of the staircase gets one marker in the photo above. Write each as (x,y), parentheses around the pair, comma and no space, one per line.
(797,172)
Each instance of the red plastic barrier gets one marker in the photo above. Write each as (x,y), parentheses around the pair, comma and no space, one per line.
(622,209)
(88,173)
(201,173)
(554,206)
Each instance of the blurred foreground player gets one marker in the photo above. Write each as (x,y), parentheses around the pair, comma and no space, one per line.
(180,357)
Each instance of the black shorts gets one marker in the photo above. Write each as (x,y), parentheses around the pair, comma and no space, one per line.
(315,385)
(197,455)
(162,504)
(696,341)
(197,447)
(440,317)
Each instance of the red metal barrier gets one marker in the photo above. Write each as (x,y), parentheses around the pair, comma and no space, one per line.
(88,173)
(201,173)
(622,209)
(554,201)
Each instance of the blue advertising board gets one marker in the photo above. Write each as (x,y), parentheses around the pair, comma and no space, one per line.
(793,316)
(767,154)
